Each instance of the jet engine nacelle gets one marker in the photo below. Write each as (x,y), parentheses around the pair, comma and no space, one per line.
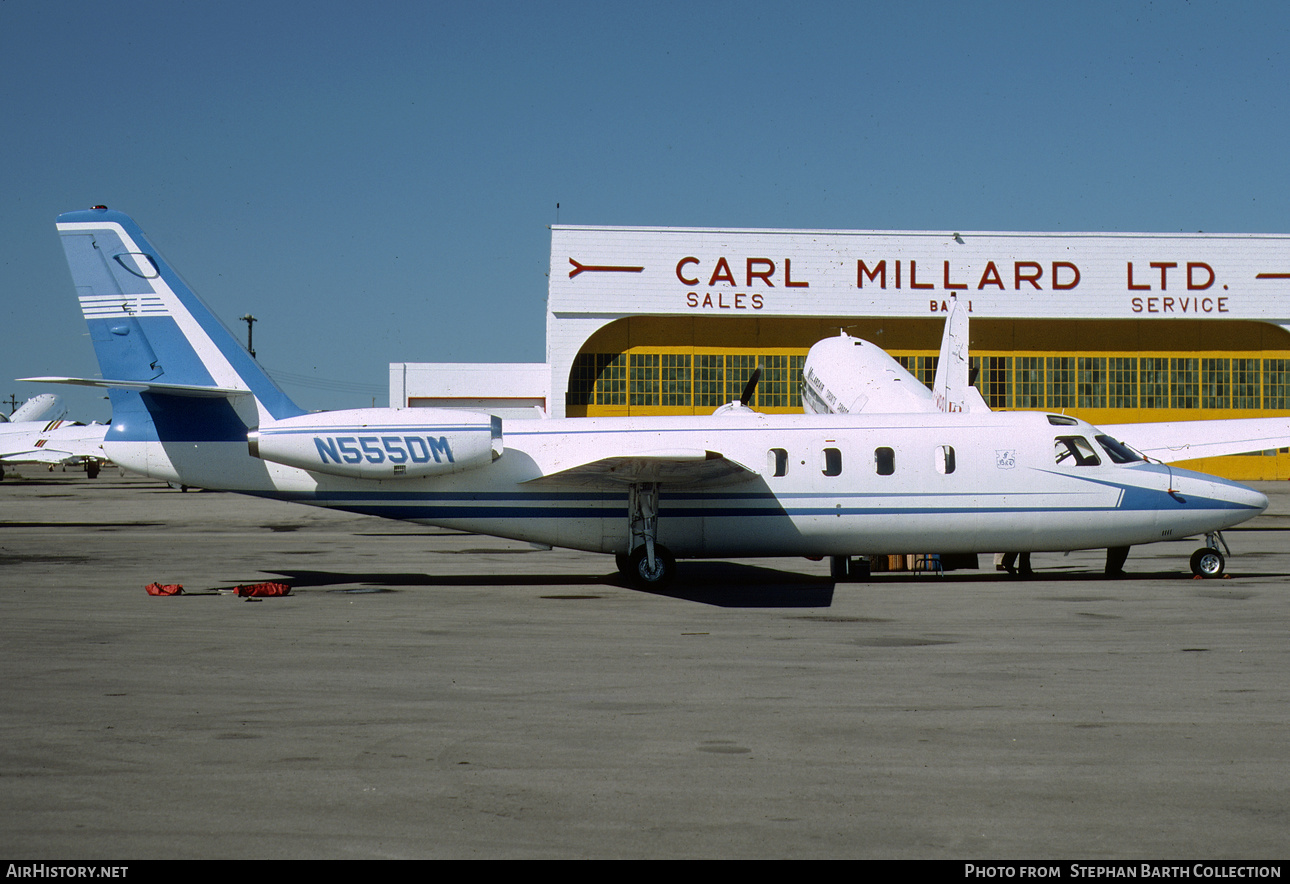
(381,443)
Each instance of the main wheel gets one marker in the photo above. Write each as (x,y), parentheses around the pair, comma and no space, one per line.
(1207,562)
(660,575)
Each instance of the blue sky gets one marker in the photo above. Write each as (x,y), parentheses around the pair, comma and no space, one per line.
(374,181)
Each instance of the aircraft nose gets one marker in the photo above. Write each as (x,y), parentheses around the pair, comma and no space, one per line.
(1235,496)
(1253,498)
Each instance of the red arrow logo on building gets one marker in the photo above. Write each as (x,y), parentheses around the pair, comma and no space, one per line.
(599,268)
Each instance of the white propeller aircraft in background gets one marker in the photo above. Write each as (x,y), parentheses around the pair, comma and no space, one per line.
(191,406)
(846,375)
(43,408)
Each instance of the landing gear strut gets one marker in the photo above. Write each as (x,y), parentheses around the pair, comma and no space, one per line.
(1116,556)
(650,565)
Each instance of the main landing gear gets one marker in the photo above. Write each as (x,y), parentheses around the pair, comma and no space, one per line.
(1207,561)
(649,565)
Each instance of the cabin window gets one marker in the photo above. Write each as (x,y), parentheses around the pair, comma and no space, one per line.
(1075,450)
(778,458)
(885,459)
(944,459)
(832,462)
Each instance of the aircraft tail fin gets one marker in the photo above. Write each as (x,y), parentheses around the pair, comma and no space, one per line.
(952,388)
(151,332)
(951,382)
(184,391)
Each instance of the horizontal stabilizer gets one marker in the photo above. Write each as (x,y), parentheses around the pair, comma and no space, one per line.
(690,467)
(1170,441)
(201,392)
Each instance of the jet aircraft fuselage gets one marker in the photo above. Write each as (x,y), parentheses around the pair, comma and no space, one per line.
(190,405)
(803,484)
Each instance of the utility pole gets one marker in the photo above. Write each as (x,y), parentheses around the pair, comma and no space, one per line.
(248,319)
(12,402)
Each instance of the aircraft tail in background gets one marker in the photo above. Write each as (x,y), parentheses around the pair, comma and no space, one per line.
(952,388)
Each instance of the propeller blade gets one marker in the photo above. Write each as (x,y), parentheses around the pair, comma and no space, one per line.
(751,386)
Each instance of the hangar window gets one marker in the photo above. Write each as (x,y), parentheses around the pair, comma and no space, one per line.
(832,462)
(709,380)
(1154,389)
(1276,384)
(674,379)
(999,381)
(921,367)
(1075,450)
(1091,383)
(642,379)
(885,460)
(1245,383)
(1184,377)
(1061,381)
(778,462)
(1122,378)
(1029,382)
(776,387)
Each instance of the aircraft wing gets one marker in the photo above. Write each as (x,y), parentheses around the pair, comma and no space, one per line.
(59,445)
(1170,441)
(691,467)
(40,455)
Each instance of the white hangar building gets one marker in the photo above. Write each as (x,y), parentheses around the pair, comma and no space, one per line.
(1112,327)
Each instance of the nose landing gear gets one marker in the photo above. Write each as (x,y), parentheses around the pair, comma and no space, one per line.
(1208,562)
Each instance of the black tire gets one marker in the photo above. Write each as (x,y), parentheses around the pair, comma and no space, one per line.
(1207,562)
(664,568)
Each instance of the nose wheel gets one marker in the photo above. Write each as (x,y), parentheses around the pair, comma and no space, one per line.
(1207,561)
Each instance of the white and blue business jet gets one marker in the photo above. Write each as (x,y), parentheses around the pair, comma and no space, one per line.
(190,405)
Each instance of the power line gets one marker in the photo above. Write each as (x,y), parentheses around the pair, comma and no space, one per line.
(317,383)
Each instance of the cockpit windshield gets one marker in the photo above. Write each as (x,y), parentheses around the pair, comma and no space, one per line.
(1118,451)
(1074,450)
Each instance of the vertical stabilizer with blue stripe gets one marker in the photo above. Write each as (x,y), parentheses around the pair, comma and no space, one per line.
(174,371)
